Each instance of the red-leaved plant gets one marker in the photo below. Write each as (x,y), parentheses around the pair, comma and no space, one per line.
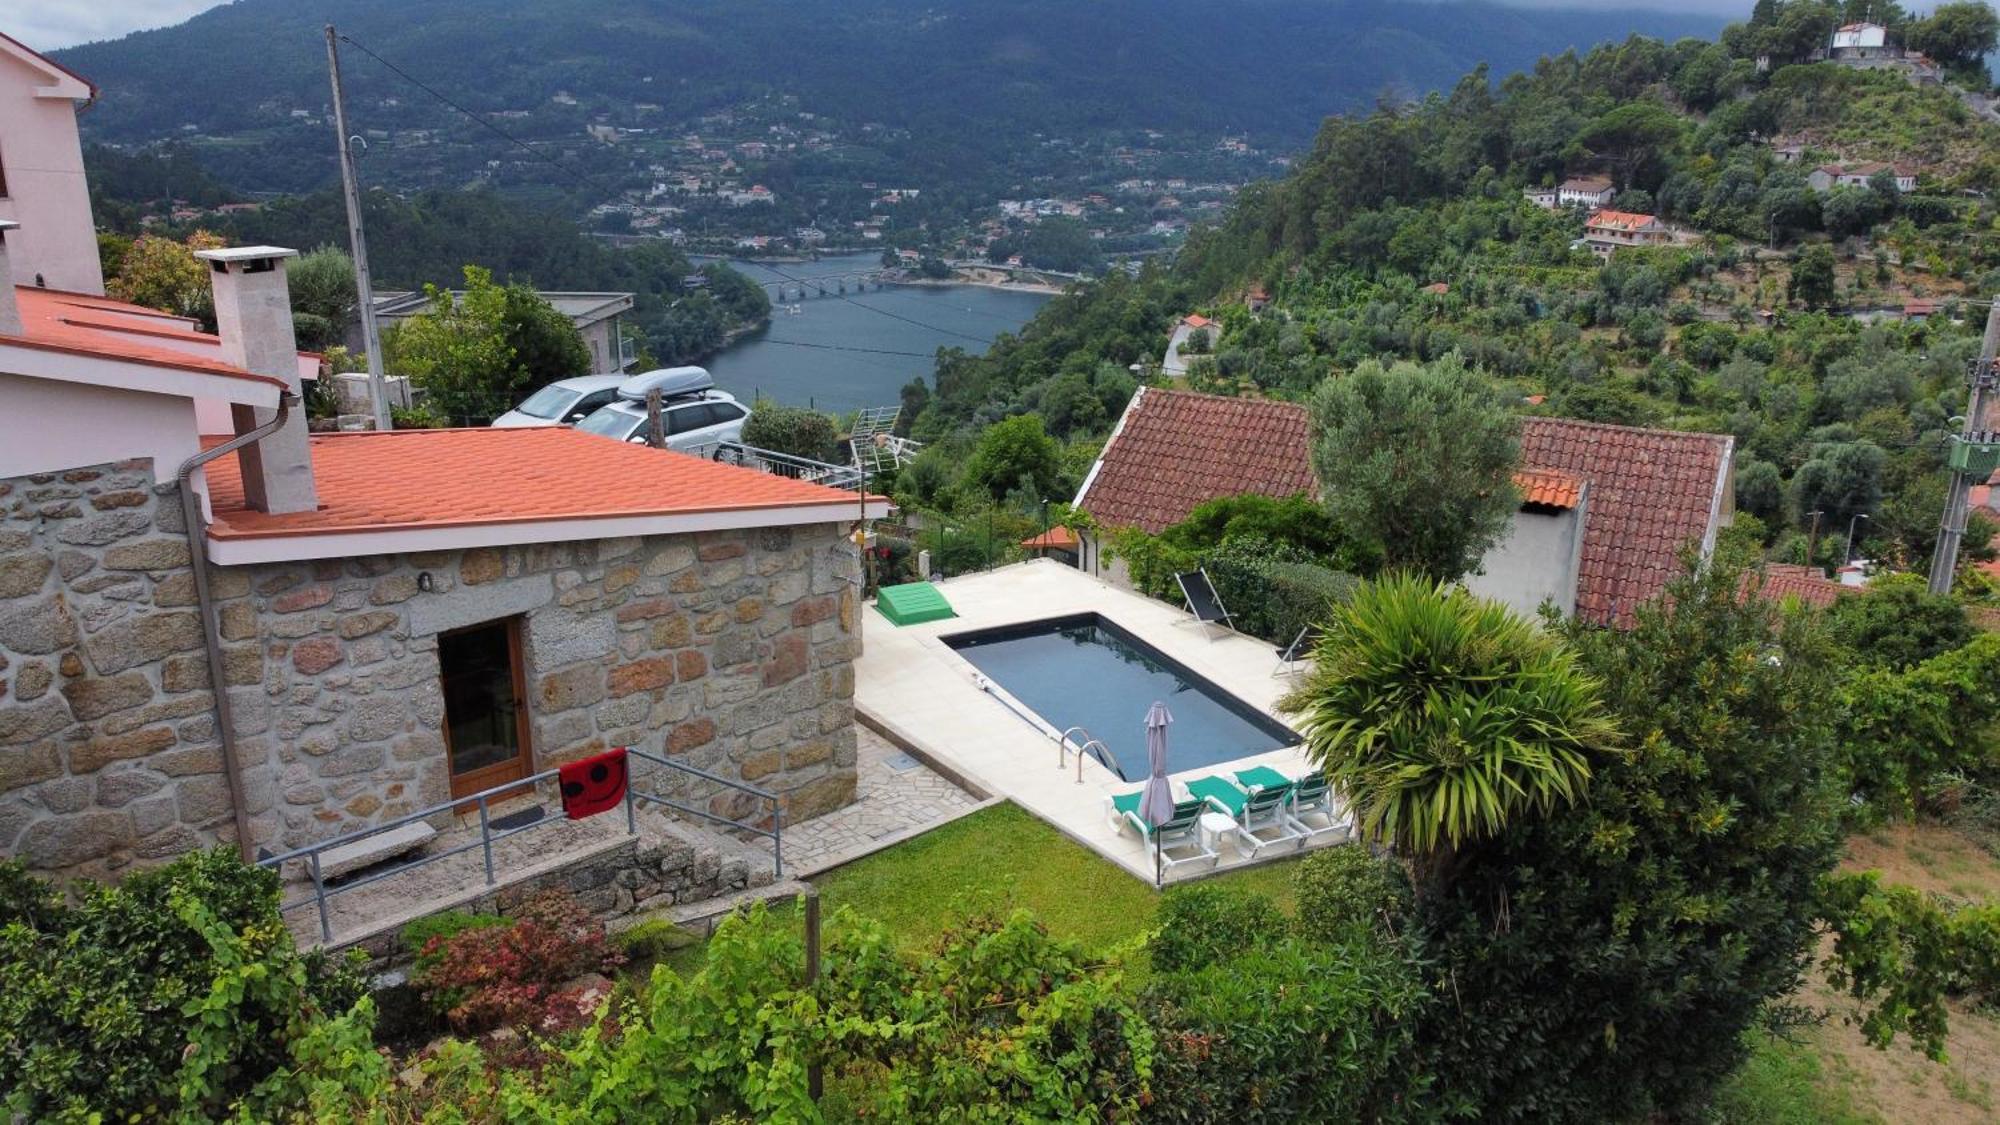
(515,975)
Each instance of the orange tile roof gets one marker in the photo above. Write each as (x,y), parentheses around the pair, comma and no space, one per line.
(1196,320)
(1548,488)
(1057,538)
(81,324)
(1620,220)
(409,479)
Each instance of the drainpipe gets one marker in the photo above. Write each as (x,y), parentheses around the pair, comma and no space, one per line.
(197,537)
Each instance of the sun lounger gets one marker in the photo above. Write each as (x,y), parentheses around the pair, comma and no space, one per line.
(1291,655)
(1311,798)
(1181,831)
(1202,600)
(1262,815)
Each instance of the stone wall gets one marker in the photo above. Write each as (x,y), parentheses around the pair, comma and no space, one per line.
(107,754)
(730,651)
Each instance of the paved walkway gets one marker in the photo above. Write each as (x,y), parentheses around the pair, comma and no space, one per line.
(895,797)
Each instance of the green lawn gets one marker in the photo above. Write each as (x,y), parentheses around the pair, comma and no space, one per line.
(1002,858)
(1788,1083)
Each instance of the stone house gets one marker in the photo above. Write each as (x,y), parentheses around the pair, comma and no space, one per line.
(398,619)
(1826,177)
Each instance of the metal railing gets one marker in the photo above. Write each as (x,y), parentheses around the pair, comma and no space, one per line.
(322,893)
(1089,747)
(781,464)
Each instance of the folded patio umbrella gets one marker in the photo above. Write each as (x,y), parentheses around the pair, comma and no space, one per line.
(1156,804)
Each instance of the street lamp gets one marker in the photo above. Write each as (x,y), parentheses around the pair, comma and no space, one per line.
(1848,554)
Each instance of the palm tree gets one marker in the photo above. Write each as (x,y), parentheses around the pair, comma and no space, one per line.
(1440,717)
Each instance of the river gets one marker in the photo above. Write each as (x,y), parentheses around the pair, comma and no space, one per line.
(841,354)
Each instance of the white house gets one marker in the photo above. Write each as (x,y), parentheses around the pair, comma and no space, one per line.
(1826,177)
(1585,191)
(1546,198)
(41,174)
(1855,37)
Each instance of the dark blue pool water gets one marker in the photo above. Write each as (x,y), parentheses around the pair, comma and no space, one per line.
(1085,671)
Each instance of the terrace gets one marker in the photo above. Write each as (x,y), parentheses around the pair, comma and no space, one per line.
(915,687)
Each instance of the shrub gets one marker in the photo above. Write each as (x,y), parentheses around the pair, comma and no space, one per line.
(1349,894)
(425,938)
(791,429)
(178,993)
(1899,728)
(512,975)
(1288,1031)
(1272,589)
(1204,924)
(652,939)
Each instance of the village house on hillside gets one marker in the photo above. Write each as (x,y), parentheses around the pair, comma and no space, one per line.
(1175,362)
(1605,510)
(1607,231)
(1585,191)
(1826,177)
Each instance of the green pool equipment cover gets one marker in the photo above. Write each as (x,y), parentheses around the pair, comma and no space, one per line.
(913,603)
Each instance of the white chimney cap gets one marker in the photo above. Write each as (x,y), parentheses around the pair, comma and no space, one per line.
(245,253)
(7,225)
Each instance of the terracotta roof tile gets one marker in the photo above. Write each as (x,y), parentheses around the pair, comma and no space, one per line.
(1620,220)
(446,478)
(1548,488)
(1058,538)
(83,324)
(1651,491)
(1808,584)
(1176,449)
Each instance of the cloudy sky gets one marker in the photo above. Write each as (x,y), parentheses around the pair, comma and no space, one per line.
(48,24)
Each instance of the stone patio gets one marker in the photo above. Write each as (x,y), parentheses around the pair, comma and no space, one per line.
(895,797)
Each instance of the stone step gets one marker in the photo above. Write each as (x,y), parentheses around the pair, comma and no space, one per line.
(702,917)
(374,849)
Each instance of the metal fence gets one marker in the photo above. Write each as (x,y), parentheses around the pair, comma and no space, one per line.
(323,892)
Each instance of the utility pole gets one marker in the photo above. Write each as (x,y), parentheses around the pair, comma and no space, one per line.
(1964,465)
(371,337)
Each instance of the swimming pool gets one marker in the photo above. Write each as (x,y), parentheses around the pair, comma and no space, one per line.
(1086,671)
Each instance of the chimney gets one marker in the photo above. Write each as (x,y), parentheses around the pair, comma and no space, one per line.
(10,306)
(253,314)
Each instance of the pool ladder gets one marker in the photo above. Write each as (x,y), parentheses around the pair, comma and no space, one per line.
(1082,749)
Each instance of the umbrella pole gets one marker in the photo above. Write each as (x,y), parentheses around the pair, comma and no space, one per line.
(1159,865)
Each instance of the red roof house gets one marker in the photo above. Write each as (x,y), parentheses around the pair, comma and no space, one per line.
(1623,501)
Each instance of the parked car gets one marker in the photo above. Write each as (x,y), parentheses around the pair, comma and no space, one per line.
(563,402)
(692,411)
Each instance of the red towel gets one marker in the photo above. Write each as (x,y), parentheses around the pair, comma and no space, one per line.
(592,785)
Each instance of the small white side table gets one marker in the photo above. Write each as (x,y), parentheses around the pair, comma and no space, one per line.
(1214,826)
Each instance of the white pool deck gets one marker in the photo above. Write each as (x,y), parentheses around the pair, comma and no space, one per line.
(912,684)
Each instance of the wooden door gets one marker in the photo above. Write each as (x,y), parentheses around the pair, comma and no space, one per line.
(486,733)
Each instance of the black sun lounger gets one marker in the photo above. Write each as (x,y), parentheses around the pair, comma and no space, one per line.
(1202,600)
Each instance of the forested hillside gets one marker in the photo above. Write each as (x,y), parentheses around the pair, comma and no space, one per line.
(1776,313)
(969,79)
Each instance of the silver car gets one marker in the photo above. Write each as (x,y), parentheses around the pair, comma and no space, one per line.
(692,412)
(563,402)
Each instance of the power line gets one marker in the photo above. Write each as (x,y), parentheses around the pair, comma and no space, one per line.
(477,119)
(849,348)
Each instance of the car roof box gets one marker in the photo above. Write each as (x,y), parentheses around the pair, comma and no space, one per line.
(671,382)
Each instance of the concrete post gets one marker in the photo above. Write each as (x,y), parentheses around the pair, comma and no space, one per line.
(253,314)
